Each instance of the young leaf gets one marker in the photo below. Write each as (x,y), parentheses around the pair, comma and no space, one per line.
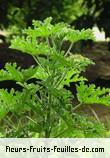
(93,95)
(27,45)
(76,35)
(11,72)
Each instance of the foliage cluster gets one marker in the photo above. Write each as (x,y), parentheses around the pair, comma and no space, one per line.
(44,108)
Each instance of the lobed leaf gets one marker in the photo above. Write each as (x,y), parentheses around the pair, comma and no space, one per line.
(93,95)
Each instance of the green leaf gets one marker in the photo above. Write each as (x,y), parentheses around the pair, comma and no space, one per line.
(11,72)
(76,35)
(93,95)
(30,46)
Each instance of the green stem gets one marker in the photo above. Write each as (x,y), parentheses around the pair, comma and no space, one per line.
(69,49)
(61,133)
(53,43)
(76,107)
(94,113)
(47,39)
(60,80)
(10,123)
(37,61)
(48,117)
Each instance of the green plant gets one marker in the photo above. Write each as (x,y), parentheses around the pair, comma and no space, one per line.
(44,108)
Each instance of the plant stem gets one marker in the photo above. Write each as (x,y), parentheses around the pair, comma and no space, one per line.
(69,49)
(61,79)
(48,117)
(53,43)
(94,113)
(10,123)
(37,61)
(77,106)
(47,39)
(61,133)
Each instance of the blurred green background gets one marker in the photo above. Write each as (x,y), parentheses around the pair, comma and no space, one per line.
(16,14)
